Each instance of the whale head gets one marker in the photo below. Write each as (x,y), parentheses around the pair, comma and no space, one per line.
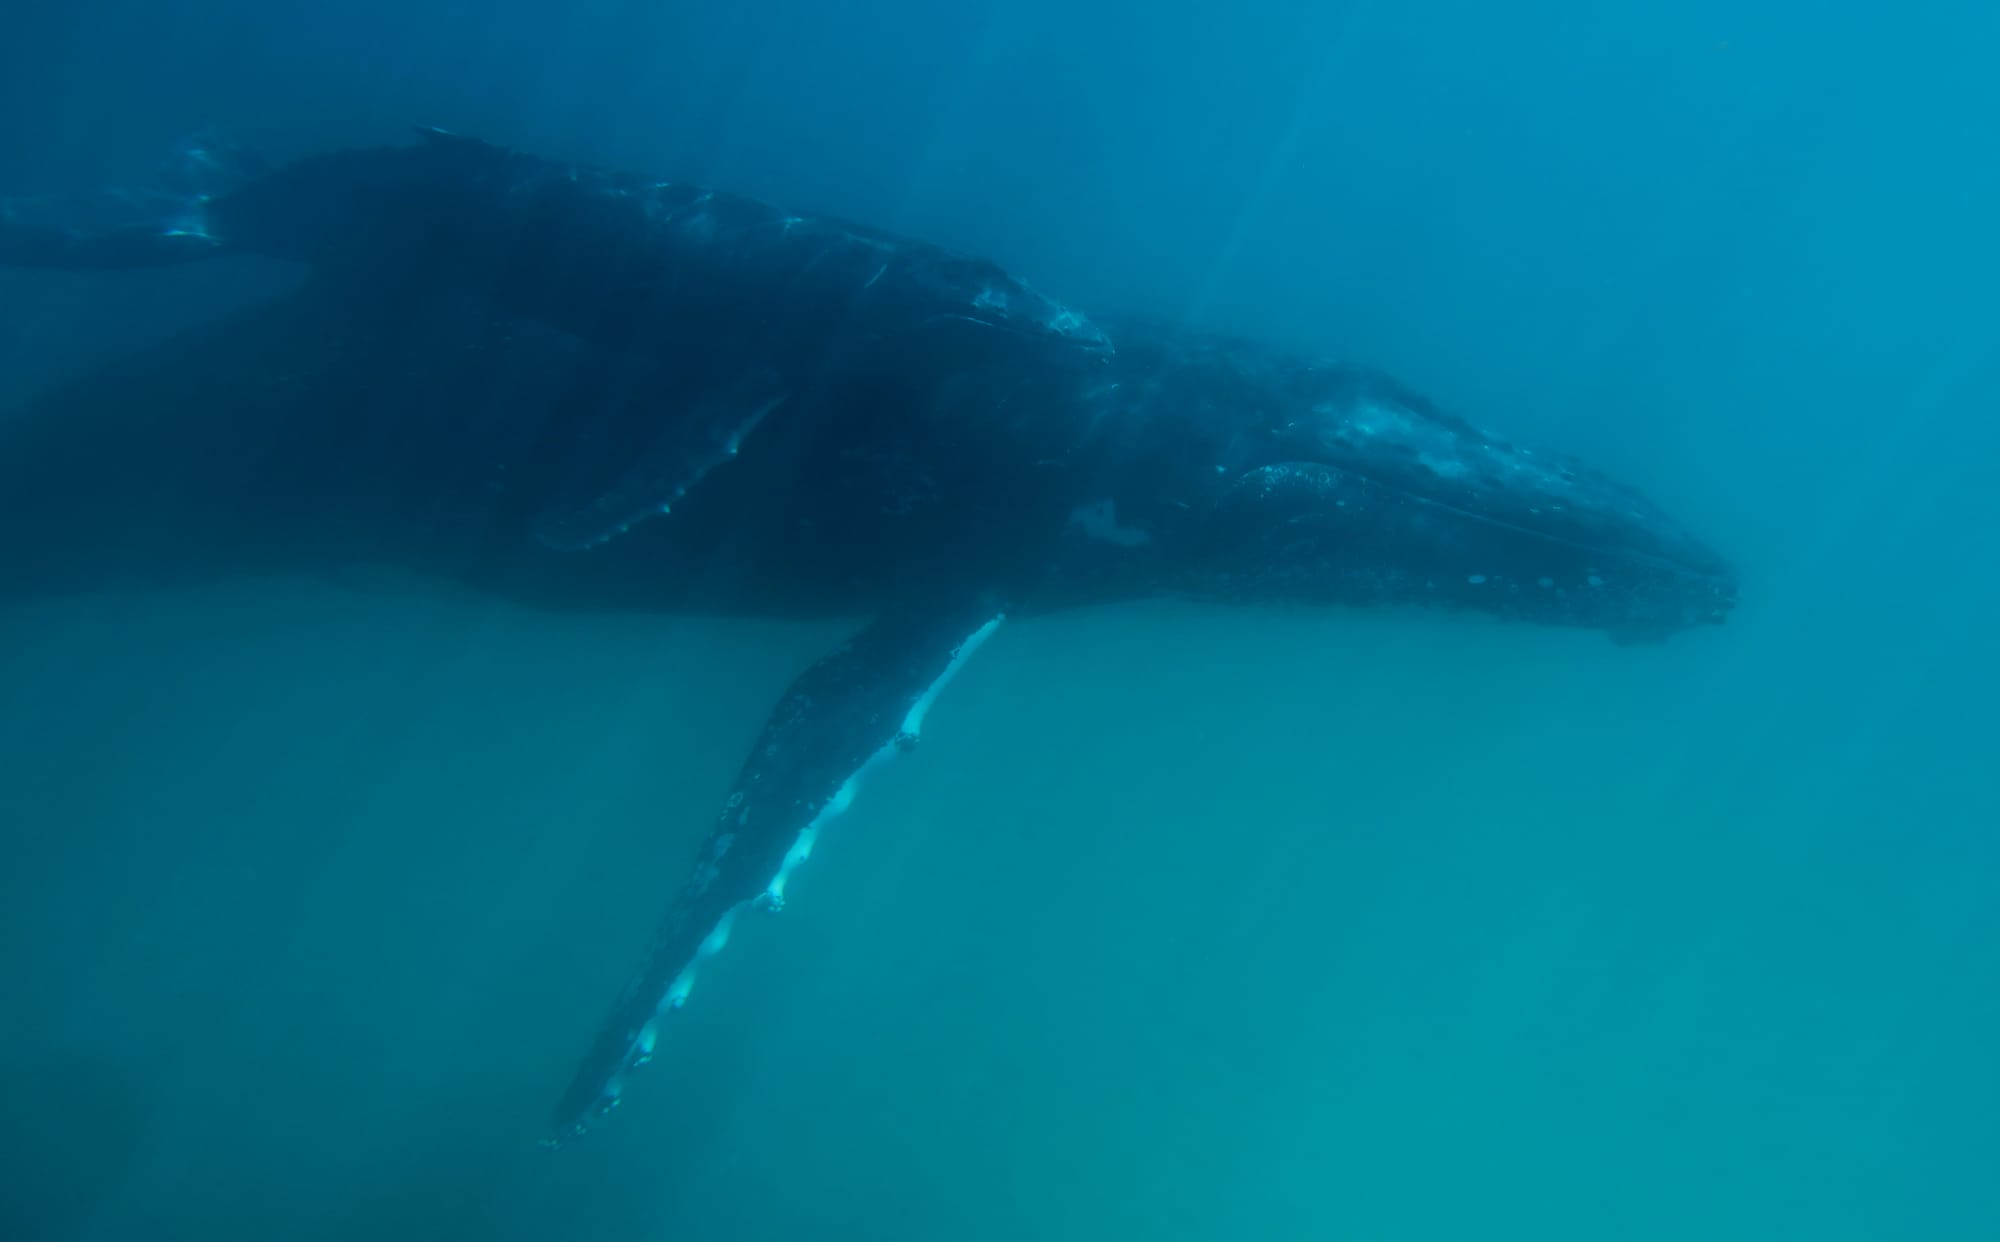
(1346,487)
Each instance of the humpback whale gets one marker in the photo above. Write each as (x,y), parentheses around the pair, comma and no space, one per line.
(591,390)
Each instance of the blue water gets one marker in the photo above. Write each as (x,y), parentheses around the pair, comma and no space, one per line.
(1186,923)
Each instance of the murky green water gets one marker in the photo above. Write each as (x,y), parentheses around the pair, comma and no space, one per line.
(1181,924)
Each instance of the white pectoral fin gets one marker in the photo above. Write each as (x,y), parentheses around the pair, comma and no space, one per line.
(860,705)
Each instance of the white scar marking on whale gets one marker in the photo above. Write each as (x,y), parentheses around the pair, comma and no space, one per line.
(712,944)
(1099,520)
(1443,467)
(913,720)
(1066,320)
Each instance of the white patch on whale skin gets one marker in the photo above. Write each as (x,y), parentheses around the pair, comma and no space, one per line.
(1099,520)
(913,720)
(1443,467)
(683,984)
(802,847)
(678,994)
(718,938)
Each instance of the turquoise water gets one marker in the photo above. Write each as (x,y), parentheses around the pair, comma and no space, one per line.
(1183,923)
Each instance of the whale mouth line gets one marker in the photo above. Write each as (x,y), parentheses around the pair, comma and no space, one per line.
(1717,573)
(1630,555)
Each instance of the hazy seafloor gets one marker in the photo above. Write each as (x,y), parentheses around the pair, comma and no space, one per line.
(1181,923)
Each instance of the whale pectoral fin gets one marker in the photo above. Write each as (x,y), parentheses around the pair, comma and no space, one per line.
(860,704)
(694,436)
